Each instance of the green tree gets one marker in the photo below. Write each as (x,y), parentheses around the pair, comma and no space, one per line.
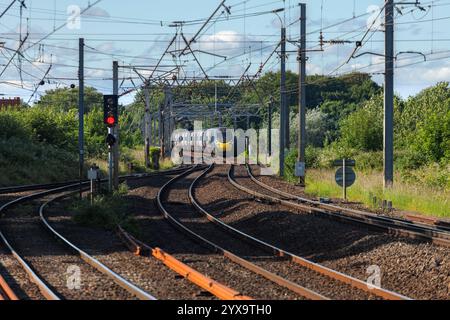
(363,129)
(423,124)
(65,99)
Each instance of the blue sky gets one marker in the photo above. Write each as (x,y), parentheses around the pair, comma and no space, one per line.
(136,32)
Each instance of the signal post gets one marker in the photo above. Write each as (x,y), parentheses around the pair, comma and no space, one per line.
(111,119)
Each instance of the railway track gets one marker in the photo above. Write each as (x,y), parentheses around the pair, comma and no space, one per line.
(237,272)
(274,264)
(35,287)
(48,262)
(49,186)
(217,289)
(392,226)
(6,293)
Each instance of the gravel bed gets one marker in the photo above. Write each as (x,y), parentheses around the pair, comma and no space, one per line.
(10,268)
(145,272)
(17,278)
(178,203)
(52,261)
(156,231)
(411,267)
(276,182)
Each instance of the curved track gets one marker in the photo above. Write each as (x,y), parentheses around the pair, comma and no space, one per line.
(338,280)
(30,265)
(184,220)
(125,284)
(392,226)
(289,271)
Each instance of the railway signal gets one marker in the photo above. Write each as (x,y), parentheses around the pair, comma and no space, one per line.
(110,110)
(111,119)
(111,140)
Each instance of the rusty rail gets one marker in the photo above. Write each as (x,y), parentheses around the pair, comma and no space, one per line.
(392,226)
(42,286)
(125,284)
(6,293)
(302,291)
(429,221)
(359,284)
(217,289)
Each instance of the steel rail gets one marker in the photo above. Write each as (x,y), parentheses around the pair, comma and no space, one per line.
(218,289)
(307,293)
(428,221)
(357,283)
(125,284)
(34,187)
(393,226)
(6,293)
(413,221)
(42,286)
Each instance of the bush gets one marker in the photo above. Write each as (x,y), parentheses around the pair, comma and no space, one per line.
(423,126)
(434,176)
(367,161)
(409,159)
(45,127)
(312,157)
(433,138)
(95,133)
(290,161)
(363,129)
(107,211)
(11,126)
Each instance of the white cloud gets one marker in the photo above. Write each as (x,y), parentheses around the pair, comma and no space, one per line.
(96,12)
(225,43)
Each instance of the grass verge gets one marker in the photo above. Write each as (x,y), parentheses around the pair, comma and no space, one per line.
(405,196)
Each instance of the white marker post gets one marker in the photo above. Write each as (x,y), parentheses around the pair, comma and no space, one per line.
(92,175)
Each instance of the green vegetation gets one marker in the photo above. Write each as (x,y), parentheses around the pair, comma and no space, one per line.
(344,119)
(106,211)
(422,148)
(405,196)
(40,144)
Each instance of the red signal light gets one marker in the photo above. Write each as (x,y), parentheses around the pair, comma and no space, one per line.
(111,121)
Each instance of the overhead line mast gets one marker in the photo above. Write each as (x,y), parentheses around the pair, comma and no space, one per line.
(388,143)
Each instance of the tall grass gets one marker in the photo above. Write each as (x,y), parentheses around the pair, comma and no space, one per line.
(404,195)
(27,162)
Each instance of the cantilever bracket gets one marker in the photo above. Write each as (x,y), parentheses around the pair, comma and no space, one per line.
(412,52)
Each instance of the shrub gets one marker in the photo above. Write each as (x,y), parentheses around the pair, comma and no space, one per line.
(312,157)
(12,126)
(106,211)
(423,126)
(367,161)
(363,129)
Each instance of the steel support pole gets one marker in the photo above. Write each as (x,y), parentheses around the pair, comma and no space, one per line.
(110,165)
(160,127)
(147,127)
(283,115)
(302,91)
(116,156)
(81,112)
(344,179)
(389,96)
(269,129)
(150,124)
